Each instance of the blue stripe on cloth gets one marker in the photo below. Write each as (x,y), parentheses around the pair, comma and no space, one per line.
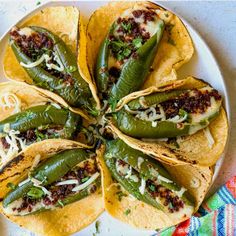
(220,220)
(195,224)
(223,196)
(232,200)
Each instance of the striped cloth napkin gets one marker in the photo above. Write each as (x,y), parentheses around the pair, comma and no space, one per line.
(216,216)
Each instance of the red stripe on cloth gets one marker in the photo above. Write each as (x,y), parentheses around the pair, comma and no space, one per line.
(205,206)
(182,229)
(229,219)
(231,186)
(214,223)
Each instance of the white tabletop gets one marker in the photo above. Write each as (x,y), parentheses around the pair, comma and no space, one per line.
(216,23)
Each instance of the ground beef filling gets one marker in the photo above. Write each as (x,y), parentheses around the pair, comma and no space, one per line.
(127,37)
(59,193)
(33,135)
(34,46)
(168,197)
(198,103)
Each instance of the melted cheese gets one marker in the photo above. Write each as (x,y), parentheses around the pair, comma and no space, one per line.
(13,150)
(68,182)
(87,183)
(142,186)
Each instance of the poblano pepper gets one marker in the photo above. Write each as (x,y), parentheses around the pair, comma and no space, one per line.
(144,178)
(169,114)
(42,188)
(51,65)
(127,53)
(46,116)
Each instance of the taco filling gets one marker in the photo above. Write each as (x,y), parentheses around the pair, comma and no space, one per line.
(36,124)
(133,37)
(62,179)
(50,64)
(146,179)
(170,114)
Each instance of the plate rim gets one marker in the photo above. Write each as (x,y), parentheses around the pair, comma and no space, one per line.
(227,103)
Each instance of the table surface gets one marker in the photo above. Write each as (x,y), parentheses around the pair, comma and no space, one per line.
(216,23)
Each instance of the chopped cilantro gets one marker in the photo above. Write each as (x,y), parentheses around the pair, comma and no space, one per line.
(166,15)
(126,27)
(35,193)
(137,43)
(85,179)
(11,186)
(126,52)
(112,104)
(48,108)
(182,113)
(38,3)
(39,135)
(60,203)
(127,212)
(152,188)
(41,176)
(121,50)
(72,69)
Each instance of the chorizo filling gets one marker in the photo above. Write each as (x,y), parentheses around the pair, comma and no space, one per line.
(38,198)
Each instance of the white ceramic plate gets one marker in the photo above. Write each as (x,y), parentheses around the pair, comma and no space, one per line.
(202,65)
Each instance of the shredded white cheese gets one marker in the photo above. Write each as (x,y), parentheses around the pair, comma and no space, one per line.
(140,161)
(24,182)
(178,119)
(122,169)
(162,178)
(209,137)
(10,100)
(142,186)
(129,173)
(68,182)
(13,150)
(87,183)
(134,178)
(180,192)
(150,114)
(56,105)
(47,59)
(33,64)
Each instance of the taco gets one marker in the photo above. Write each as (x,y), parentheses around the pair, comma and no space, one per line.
(53,190)
(42,51)
(138,187)
(28,115)
(130,40)
(188,118)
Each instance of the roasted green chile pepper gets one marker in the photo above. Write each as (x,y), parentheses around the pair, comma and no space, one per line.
(76,91)
(144,167)
(134,71)
(43,115)
(187,123)
(50,171)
